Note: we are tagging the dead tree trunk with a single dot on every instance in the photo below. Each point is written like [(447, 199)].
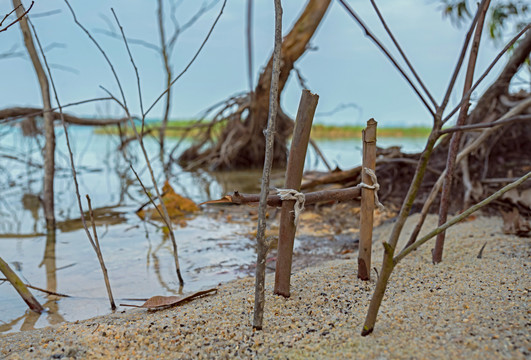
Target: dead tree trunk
[(49, 147), (242, 143)]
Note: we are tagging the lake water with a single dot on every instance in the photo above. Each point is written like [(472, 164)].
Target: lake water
[(138, 255)]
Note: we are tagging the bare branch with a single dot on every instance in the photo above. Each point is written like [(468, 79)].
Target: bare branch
[(101, 51), (133, 63), (11, 114), (487, 71), (460, 217), (399, 48), (456, 137), (262, 247), (17, 19), (166, 217), (94, 243), (191, 61), (506, 121), (387, 54)]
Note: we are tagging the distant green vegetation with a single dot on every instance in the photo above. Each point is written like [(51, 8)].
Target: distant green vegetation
[(190, 128), (337, 132)]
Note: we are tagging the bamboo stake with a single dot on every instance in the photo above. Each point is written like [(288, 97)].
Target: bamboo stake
[(20, 287), (297, 154), (367, 202)]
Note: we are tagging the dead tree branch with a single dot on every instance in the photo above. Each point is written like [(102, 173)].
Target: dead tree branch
[(262, 246), (25, 112), (456, 137), (20, 15), (368, 33), (94, 242)]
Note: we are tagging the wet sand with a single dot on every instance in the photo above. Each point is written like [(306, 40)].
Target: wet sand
[(462, 308)]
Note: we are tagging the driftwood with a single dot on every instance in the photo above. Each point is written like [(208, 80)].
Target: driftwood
[(30, 112)]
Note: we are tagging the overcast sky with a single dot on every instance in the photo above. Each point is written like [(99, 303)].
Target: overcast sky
[(345, 68)]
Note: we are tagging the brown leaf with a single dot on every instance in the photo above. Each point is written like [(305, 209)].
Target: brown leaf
[(157, 302)]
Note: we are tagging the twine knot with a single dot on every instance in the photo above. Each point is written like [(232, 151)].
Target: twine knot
[(291, 194), (374, 187)]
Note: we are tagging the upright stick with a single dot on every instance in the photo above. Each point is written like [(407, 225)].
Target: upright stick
[(456, 137), (367, 202), (297, 154), (262, 245)]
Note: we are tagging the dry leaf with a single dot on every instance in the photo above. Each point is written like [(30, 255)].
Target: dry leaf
[(176, 205), (157, 302)]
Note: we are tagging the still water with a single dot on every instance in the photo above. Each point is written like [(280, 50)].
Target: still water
[(138, 255)]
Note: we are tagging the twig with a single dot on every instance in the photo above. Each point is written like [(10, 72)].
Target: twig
[(387, 54), (480, 254), (189, 63), (17, 19), (460, 217), (166, 216), (377, 274), (467, 150), (41, 290), (20, 287), (390, 246), (262, 248), (94, 244), (132, 62), (100, 49), (148, 195), (456, 137), (320, 154), (487, 71), (399, 48), (506, 121), (100, 256)]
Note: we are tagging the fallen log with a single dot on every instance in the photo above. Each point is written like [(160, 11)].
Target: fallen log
[(29, 112)]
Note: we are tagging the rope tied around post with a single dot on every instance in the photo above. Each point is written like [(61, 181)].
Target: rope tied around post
[(291, 194), (374, 187), (298, 208)]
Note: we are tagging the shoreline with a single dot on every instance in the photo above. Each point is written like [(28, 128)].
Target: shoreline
[(464, 307), (177, 129)]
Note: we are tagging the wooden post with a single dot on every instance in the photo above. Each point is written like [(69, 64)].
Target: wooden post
[(367, 202), (297, 155)]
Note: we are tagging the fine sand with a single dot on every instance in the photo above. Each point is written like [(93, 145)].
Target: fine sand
[(463, 308)]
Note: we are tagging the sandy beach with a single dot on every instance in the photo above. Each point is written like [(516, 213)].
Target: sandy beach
[(463, 308)]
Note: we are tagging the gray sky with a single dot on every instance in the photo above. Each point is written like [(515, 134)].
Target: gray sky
[(346, 69)]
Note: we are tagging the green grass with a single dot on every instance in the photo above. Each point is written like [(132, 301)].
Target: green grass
[(176, 128)]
